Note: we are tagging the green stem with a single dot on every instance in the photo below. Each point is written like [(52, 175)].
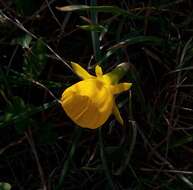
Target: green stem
[(94, 35), (119, 72), (66, 165), (131, 141), (104, 161)]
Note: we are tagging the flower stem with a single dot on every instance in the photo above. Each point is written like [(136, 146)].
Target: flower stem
[(67, 162), (104, 161), (118, 72)]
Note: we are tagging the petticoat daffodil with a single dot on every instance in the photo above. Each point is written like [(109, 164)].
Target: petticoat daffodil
[(90, 102)]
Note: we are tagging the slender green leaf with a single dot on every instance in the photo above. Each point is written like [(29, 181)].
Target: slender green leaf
[(93, 27), (106, 9), (138, 40), (72, 147), (104, 160)]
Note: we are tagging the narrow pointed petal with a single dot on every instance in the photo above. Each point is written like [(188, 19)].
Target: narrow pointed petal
[(117, 114), (118, 88), (80, 71), (98, 71)]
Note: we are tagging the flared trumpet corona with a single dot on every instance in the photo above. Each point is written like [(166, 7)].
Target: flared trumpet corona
[(90, 102)]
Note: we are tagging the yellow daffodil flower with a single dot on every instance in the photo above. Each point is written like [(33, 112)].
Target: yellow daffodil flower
[(90, 102)]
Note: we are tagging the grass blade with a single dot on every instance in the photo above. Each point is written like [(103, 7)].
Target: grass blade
[(65, 169)]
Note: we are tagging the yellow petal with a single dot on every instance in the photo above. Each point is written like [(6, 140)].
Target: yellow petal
[(98, 71), (88, 103), (117, 114), (118, 88), (80, 71)]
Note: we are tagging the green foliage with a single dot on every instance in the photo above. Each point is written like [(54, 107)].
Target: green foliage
[(35, 59), (19, 113), (5, 186), (105, 9), (93, 27), (41, 148), (16, 111), (24, 41)]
